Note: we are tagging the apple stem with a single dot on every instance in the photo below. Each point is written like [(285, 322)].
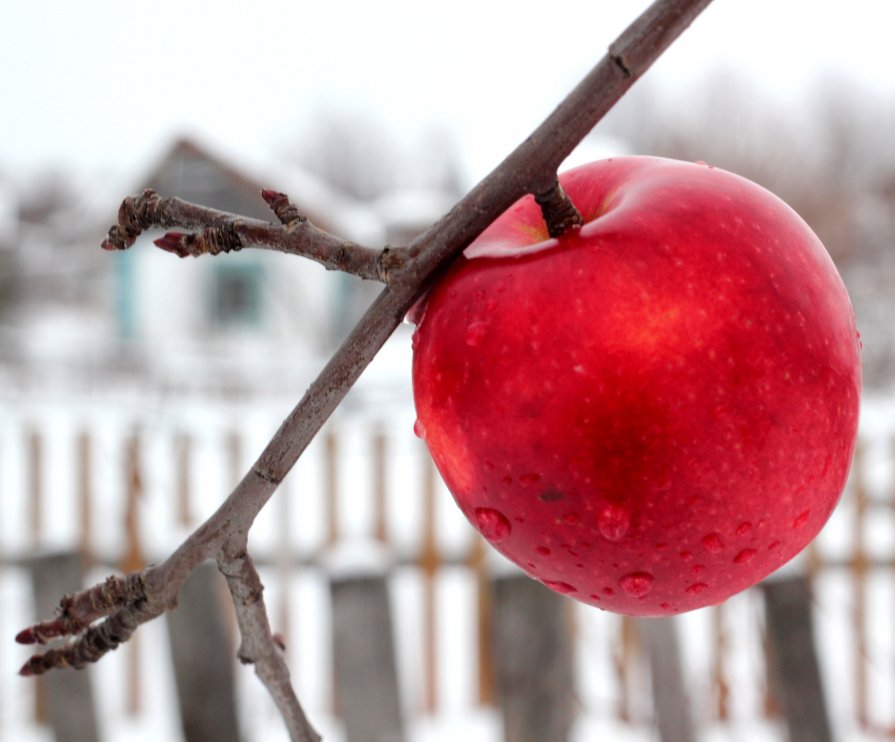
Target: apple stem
[(559, 212)]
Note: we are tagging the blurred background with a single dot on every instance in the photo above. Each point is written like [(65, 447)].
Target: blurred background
[(136, 387)]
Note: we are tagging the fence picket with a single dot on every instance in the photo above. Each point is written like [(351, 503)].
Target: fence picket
[(793, 657), (365, 669), (533, 657), (84, 476), (67, 696), (202, 656), (670, 697), (35, 464), (183, 465), (430, 563)]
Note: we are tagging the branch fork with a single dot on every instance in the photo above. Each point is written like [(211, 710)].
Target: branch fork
[(100, 618)]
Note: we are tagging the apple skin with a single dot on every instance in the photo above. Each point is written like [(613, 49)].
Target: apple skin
[(651, 412)]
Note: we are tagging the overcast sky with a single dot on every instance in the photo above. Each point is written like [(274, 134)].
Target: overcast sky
[(100, 86)]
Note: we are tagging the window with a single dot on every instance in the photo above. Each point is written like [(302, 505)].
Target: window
[(236, 295)]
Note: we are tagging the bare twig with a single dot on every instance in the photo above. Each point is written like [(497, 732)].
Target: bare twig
[(77, 612), (286, 211), (219, 231), (530, 168), (97, 640), (259, 646)]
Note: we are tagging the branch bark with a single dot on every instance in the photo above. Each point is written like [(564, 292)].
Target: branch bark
[(220, 231), (530, 168), (259, 647)]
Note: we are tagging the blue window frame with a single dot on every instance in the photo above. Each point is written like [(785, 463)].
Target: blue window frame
[(236, 295)]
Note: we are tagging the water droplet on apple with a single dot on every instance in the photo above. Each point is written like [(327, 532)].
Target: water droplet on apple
[(774, 546), (613, 522), (527, 480), (696, 588), (636, 584), (686, 555), (571, 519), (475, 333), (608, 591), (698, 570), (713, 543), (665, 606), (492, 524), (561, 587), (801, 519), (744, 528), (860, 342), (542, 550), (744, 557), (418, 429)]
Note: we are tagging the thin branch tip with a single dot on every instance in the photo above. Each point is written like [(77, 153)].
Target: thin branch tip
[(271, 195), (284, 210), (173, 242), (109, 244)]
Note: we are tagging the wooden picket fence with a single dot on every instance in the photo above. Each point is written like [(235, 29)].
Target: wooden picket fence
[(392, 610)]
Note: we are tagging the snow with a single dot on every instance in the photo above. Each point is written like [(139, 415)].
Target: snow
[(357, 557), (297, 518)]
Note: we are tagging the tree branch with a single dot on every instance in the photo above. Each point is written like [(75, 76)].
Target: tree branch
[(259, 647), (219, 231), (530, 168)]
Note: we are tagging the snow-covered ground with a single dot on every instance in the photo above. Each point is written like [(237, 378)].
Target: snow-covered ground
[(296, 520)]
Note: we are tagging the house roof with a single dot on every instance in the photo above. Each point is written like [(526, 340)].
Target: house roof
[(238, 179)]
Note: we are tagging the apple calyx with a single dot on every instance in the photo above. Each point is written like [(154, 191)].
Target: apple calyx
[(560, 214)]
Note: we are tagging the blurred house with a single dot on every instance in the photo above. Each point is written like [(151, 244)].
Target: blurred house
[(234, 322)]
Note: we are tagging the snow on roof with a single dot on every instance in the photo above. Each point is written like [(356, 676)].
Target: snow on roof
[(321, 201)]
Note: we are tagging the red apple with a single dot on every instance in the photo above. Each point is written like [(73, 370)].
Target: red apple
[(653, 411)]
